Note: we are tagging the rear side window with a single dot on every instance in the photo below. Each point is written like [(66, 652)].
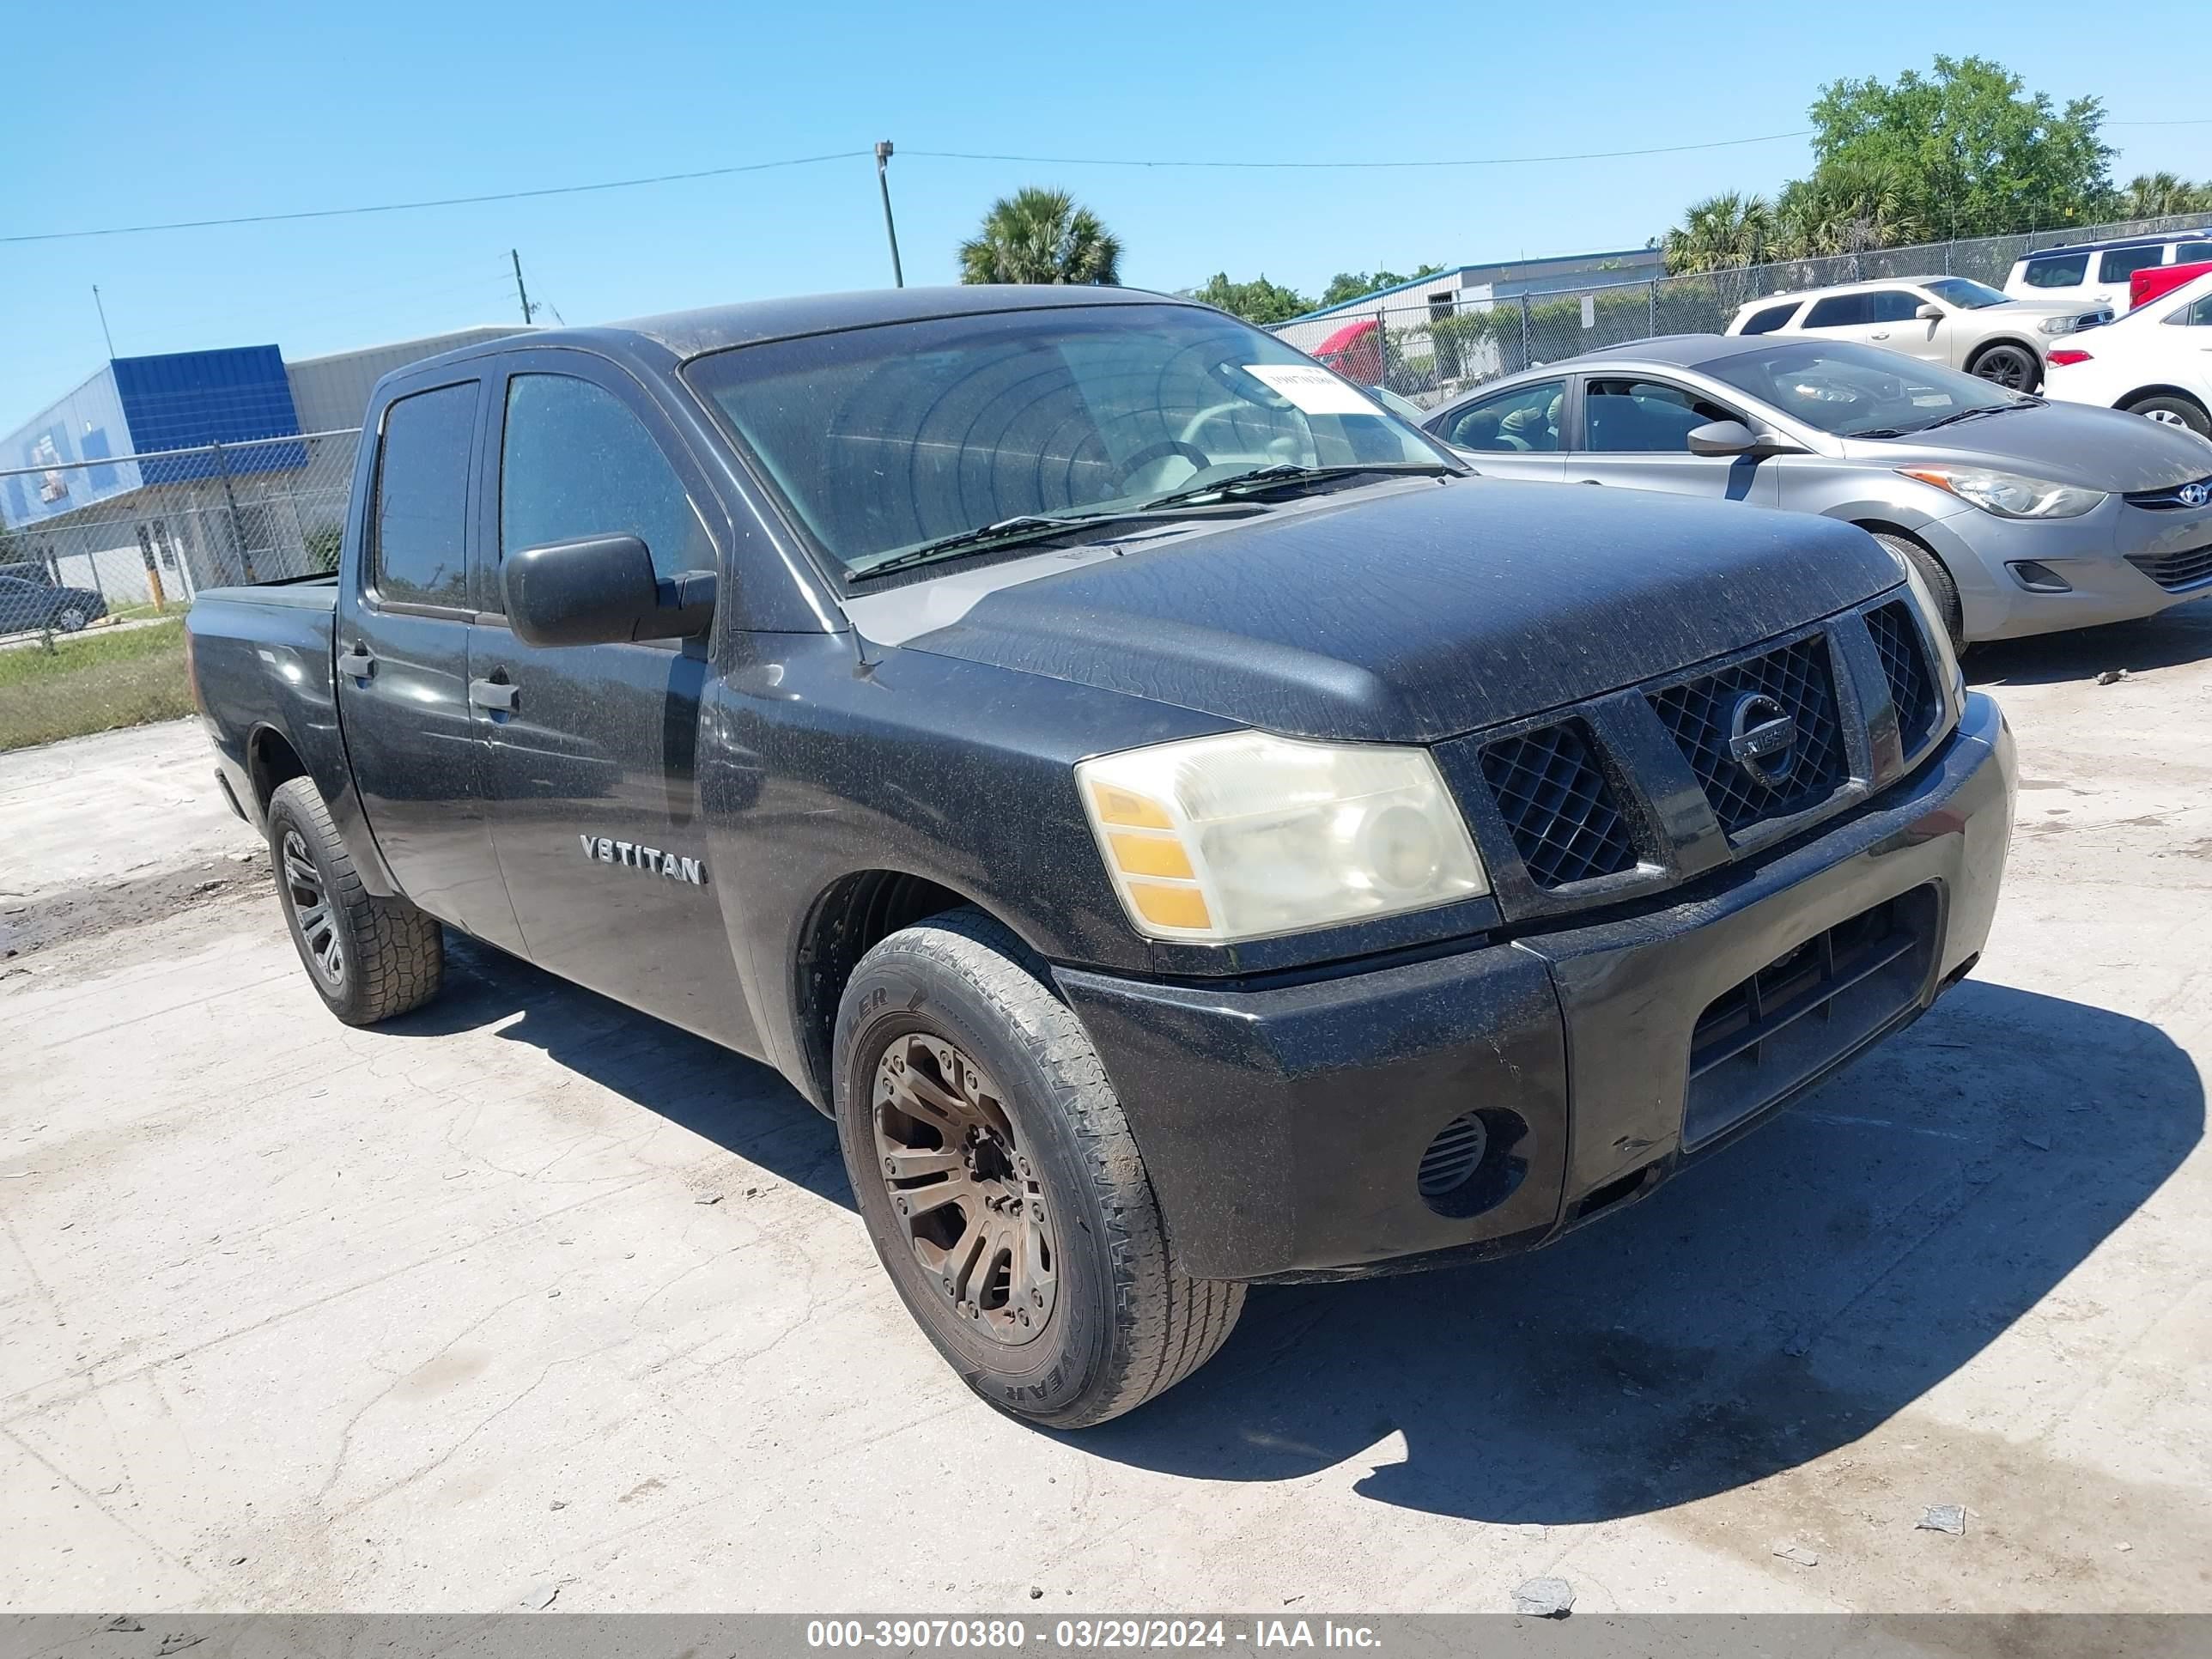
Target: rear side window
[(1525, 418), (2192, 254), (2119, 264), (1766, 321), (421, 497), (1839, 311), (2067, 270), (574, 462)]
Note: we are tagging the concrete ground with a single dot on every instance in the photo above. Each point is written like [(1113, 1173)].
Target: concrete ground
[(529, 1296)]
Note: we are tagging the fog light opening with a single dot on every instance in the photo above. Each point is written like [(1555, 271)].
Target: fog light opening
[(2039, 578), (1473, 1163), (1454, 1156)]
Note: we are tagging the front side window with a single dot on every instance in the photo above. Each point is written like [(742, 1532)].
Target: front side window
[(1839, 311), (2192, 254), (881, 440), (2119, 264), (2068, 271), (1894, 304), (1853, 391), (1766, 321), (1526, 419), (1966, 293), (422, 497), (2195, 316), (574, 462), (1644, 417)]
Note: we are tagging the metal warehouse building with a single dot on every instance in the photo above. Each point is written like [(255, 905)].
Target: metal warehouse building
[(162, 474)]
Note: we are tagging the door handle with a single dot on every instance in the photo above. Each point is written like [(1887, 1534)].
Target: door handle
[(1599, 482), (495, 694), (1884, 335), (357, 661)]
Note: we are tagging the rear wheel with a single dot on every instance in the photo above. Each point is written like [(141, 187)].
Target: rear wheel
[(1940, 585), (368, 958), (2169, 409), (2014, 367), (1000, 1185), (71, 618)]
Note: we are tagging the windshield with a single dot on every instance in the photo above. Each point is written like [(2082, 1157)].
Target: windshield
[(1965, 294), (885, 440), (1857, 391)]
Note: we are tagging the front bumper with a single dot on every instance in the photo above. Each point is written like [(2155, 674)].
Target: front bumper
[(2092, 554), (1283, 1127)]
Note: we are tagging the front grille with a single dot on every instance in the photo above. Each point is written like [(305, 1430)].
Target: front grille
[(2167, 500), (2175, 571), (1699, 713), (1807, 1011), (1558, 806), (1905, 666)]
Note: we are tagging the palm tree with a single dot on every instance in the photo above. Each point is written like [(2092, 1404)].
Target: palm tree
[(1721, 233), (1846, 207), (2157, 195), (1041, 236)]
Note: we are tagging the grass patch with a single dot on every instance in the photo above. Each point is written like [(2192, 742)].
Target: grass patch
[(95, 681)]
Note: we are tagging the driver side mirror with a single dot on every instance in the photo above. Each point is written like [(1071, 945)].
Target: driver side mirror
[(601, 590), (1931, 312), (1718, 438)]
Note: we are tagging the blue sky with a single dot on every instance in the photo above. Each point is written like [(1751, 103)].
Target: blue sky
[(166, 113)]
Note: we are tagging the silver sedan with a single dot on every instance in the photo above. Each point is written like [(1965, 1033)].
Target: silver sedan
[(2023, 516)]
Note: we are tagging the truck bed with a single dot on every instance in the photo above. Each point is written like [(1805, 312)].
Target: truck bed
[(261, 663)]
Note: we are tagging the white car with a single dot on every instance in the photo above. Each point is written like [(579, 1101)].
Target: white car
[(1952, 320), (2097, 273), (2156, 360)]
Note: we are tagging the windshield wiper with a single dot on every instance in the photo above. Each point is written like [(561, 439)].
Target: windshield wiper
[(1978, 411), (1004, 532), (1291, 472)]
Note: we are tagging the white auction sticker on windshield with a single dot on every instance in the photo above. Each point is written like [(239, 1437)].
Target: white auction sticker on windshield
[(1316, 390)]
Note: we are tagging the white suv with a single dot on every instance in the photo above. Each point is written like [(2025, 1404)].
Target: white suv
[(2098, 272), (1951, 320)]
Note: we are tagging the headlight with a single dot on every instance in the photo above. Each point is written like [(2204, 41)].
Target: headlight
[(2008, 495), (2058, 324), (1245, 834), (1937, 628)]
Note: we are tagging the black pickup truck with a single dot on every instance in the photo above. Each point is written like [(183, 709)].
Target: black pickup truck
[(1185, 828)]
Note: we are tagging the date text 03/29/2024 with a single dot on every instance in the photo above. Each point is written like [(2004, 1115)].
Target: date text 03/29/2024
[(1087, 1635)]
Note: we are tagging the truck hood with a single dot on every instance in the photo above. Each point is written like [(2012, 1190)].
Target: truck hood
[(2066, 443), (1408, 613)]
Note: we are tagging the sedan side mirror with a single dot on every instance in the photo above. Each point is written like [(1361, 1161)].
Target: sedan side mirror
[(1735, 438), (601, 590), (1931, 312)]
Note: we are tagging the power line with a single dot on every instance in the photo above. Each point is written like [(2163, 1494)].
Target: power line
[(1462, 162), (439, 202)]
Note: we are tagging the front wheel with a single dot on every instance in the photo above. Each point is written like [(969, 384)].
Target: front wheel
[(1001, 1186), (1941, 587), (70, 619), (368, 958), (2014, 367), (2170, 411)]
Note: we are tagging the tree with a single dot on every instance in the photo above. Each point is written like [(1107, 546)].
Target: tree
[(1041, 236), (2158, 195), (1847, 207), (1971, 152), (1256, 301), (1721, 233), (1351, 284)]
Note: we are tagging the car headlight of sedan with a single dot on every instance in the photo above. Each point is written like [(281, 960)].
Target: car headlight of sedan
[(2008, 495), (1245, 834)]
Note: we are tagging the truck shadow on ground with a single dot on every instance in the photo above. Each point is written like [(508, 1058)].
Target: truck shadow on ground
[(1755, 1314), (2183, 634)]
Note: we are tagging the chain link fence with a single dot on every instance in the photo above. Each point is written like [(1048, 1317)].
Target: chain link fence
[(100, 558), (1430, 350)]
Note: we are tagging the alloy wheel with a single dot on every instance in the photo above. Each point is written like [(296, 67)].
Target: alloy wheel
[(2007, 367), (2167, 417), (69, 620), (310, 903), (965, 1192)]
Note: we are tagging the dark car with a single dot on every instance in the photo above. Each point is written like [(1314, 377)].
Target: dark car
[(1183, 827), (26, 605)]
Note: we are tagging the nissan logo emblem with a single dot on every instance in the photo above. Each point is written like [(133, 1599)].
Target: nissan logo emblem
[(1763, 739)]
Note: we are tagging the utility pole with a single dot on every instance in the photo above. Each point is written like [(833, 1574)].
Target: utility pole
[(883, 183), (101, 309), (521, 293)]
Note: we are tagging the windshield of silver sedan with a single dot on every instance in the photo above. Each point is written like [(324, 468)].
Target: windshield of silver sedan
[(907, 442), (1852, 391)]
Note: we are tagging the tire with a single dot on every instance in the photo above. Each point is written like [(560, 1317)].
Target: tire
[(70, 619), (1945, 591), (2169, 409), (368, 958), (1107, 1322), (2015, 367)]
